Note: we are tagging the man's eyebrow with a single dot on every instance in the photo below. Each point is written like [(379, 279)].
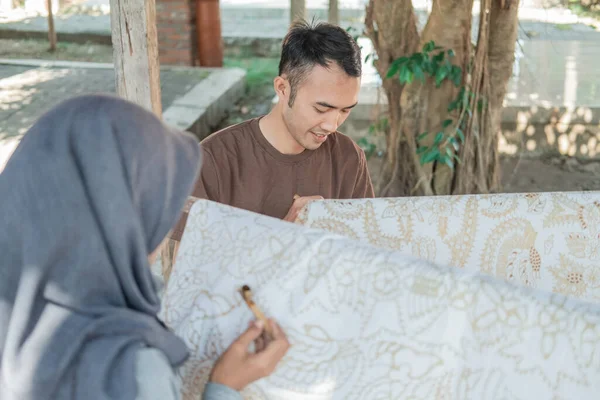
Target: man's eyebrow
[(324, 104)]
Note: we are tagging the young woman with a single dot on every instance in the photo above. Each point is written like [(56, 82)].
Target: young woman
[(91, 191)]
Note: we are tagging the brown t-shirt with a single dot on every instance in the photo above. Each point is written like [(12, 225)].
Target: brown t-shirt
[(242, 169)]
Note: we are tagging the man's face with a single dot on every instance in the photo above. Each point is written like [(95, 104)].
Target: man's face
[(323, 102)]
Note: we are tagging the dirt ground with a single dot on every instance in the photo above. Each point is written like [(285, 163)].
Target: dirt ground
[(39, 50), (549, 174), (543, 174), (519, 174)]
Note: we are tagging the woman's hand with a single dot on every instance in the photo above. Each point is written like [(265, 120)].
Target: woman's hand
[(238, 367)]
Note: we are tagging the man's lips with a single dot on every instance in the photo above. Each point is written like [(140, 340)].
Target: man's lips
[(321, 137)]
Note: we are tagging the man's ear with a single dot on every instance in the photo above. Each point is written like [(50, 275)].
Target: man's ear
[(282, 89)]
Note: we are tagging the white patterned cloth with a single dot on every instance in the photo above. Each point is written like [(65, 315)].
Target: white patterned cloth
[(549, 241), (369, 323)]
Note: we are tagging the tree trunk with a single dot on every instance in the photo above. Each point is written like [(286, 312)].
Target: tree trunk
[(333, 16), (297, 10), (51, 30), (135, 52), (385, 19), (418, 107)]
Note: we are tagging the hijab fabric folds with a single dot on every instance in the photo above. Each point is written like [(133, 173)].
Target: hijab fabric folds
[(92, 189)]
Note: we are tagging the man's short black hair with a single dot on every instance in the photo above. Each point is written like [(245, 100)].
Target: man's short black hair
[(307, 45)]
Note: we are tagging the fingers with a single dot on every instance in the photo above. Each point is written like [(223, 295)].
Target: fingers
[(267, 360), (278, 341), (252, 333), (265, 338), (298, 204), (304, 200), (277, 331), (260, 343)]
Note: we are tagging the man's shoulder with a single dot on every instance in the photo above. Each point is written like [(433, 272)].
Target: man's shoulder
[(343, 144), (229, 136)]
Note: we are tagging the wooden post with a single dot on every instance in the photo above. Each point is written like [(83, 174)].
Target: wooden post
[(334, 13), (135, 52), (297, 9), (51, 30), (208, 27)]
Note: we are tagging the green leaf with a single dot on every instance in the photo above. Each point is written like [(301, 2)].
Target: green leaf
[(393, 70), (395, 66), (454, 143), (439, 57), (381, 124), (417, 57), (451, 53), (429, 46), (422, 149), (440, 76), (456, 75), (453, 105), (385, 123), (460, 134), (447, 161), (427, 66), (431, 156), (366, 145), (406, 75), (418, 71), (457, 158), (457, 80), (401, 60), (438, 138), (422, 136), (446, 123)]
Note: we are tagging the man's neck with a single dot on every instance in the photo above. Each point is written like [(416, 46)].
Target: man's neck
[(276, 132)]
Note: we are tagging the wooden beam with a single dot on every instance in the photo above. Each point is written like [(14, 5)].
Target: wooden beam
[(51, 30), (297, 10), (334, 13), (135, 52)]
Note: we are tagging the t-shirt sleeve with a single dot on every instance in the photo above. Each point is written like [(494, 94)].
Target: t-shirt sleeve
[(207, 187), (215, 391), (363, 188)]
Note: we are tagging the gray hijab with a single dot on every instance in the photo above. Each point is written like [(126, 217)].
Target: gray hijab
[(92, 189)]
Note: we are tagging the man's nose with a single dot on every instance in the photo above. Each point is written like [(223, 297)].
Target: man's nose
[(331, 122)]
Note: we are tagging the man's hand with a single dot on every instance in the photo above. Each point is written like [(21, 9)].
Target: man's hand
[(298, 205), (238, 367)]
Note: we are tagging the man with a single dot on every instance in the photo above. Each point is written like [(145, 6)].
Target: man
[(276, 164)]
